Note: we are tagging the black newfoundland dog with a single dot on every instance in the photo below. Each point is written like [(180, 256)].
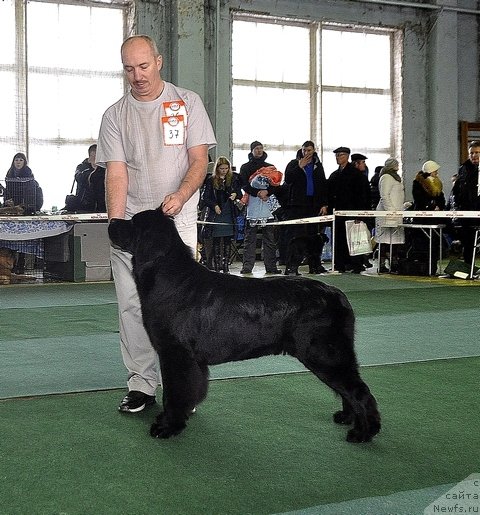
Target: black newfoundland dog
[(196, 318)]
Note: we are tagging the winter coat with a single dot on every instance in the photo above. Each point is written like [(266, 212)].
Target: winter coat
[(24, 190), (248, 169), (220, 197), (348, 189), (465, 191), (84, 192), (392, 197), (296, 180), (427, 192)]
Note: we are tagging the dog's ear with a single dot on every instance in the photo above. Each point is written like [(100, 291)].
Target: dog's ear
[(121, 234)]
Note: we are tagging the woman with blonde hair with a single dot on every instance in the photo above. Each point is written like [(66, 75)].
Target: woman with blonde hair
[(222, 194)]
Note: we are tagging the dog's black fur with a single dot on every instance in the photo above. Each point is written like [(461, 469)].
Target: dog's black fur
[(196, 318), (306, 246)]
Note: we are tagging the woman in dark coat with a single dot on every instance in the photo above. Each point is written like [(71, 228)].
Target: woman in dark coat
[(222, 192), (21, 186)]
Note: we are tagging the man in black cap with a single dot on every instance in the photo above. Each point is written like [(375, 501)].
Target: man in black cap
[(256, 160), (358, 161), (346, 191)]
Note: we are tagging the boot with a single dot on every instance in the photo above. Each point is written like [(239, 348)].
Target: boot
[(217, 255), (227, 252)]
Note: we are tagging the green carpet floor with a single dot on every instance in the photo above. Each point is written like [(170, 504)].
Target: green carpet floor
[(256, 446), (64, 337)]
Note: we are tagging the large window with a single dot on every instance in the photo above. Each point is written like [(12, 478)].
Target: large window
[(335, 85), (60, 69)]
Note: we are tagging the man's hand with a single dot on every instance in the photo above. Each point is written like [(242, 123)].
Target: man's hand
[(303, 162), (173, 203)]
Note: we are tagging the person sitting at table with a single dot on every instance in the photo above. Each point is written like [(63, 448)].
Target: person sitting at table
[(427, 191), (90, 178), (21, 188)]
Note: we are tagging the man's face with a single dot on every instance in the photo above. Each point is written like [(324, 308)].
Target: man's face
[(342, 158), (308, 151), (257, 151), (474, 155), (142, 70), (361, 165), (92, 157)]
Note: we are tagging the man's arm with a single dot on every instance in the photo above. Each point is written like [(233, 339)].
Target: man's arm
[(193, 180), (116, 185)]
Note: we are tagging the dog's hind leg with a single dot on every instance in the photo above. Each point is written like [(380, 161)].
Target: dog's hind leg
[(359, 405), (337, 367), (185, 385)]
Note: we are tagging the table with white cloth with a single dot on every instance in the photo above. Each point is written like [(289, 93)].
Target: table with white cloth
[(72, 247)]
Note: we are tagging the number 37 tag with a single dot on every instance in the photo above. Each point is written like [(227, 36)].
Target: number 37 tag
[(173, 130)]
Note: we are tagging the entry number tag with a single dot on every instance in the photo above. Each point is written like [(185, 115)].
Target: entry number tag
[(173, 130), (176, 108)]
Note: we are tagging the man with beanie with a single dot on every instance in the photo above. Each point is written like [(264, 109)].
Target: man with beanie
[(256, 160), (347, 190)]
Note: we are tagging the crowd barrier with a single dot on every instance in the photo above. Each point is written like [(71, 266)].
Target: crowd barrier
[(428, 229), (454, 216)]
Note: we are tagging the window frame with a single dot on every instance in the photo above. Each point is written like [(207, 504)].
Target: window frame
[(316, 88)]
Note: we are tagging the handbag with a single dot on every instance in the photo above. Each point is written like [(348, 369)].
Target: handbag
[(72, 202), (358, 238)]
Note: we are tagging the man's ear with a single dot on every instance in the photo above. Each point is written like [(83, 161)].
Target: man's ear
[(120, 233)]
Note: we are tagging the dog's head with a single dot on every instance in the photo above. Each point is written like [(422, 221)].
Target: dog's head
[(147, 236)]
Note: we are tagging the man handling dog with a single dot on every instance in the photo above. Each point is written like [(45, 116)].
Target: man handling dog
[(154, 143)]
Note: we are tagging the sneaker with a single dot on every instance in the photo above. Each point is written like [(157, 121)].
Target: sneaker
[(136, 401)]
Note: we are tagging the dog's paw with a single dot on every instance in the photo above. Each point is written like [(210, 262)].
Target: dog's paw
[(165, 431), (356, 436), (165, 427), (342, 417)]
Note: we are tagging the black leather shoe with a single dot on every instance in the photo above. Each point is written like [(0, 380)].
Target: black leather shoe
[(245, 271), (136, 401)]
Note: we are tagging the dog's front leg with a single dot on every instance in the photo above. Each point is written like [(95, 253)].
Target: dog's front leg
[(180, 390)]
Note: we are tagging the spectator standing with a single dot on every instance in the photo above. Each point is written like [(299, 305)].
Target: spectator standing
[(466, 197), (347, 190), (307, 191), (222, 195), (359, 162), (374, 191), (154, 142), (392, 197), (256, 160)]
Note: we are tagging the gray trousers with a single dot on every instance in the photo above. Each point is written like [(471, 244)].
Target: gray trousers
[(269, 246), (139, 357)]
